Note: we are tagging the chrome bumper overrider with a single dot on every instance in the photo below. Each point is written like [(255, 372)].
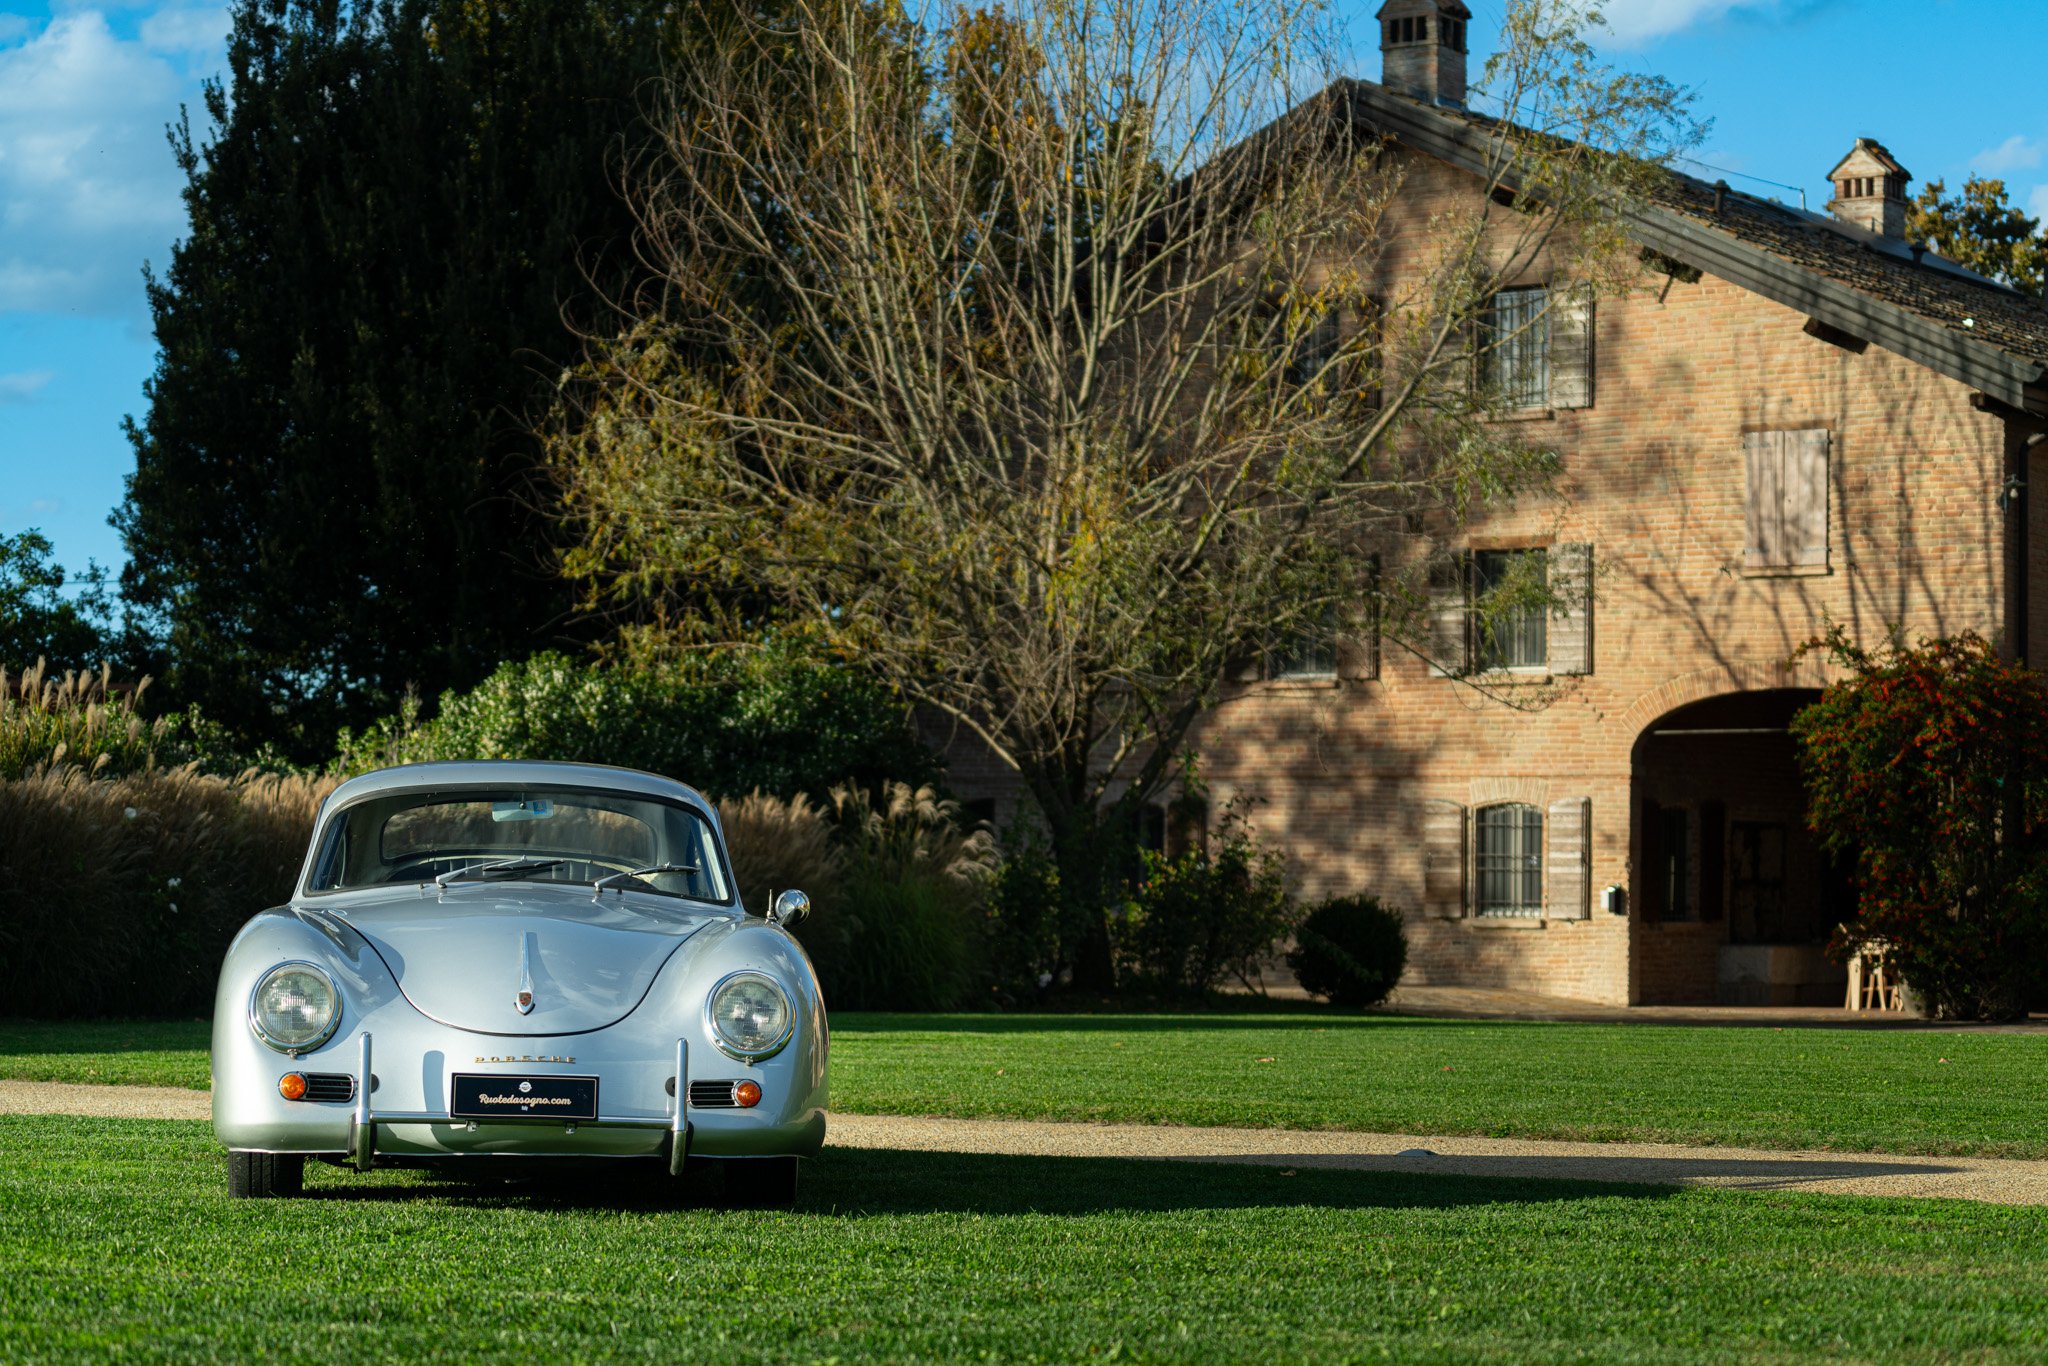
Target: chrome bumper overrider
[(362, 1125)]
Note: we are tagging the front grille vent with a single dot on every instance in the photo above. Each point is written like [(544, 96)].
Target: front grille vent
[(712, 1095), (330, 1086)]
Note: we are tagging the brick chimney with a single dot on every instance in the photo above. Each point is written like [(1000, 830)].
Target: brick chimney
[(1870, 189), (1422, 49)]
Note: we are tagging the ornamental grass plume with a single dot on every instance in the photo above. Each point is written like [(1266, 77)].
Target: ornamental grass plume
[(119, 894), (1928, 767), (776, 844), (77, 717)]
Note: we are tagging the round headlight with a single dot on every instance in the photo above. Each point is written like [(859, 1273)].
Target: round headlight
[(295, 1007), (750, 1015)]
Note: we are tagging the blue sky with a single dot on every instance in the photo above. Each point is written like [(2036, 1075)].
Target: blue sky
[(88, 191)]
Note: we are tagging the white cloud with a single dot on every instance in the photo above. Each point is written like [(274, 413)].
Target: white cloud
[(1638, 21), (2016, 153), (195, 31), (2037, 203), (88, 189), (23, 386)]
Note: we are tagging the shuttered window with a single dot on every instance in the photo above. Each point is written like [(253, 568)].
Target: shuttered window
[(1538, 350), (1557, 634), (1785, 500), (1509, 850)]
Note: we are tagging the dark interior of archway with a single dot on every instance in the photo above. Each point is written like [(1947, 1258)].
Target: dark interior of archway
[(1720, 823)]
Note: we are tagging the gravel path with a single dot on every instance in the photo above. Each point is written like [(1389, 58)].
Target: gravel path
[(2002, 1181)]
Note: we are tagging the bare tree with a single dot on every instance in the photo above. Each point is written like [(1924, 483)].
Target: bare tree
[(1062, 358)]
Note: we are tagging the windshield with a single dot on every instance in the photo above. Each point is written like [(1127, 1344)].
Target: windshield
[(531, 834)]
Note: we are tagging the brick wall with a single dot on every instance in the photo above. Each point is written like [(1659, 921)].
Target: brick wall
[(1654, 481)]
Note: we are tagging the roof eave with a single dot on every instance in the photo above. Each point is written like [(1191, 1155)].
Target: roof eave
[(2011, 380)]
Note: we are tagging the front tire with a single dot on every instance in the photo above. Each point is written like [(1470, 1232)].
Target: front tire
[(760, 1182), (265, 1176)]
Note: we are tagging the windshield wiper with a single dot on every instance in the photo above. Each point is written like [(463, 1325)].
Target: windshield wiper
[(509, 866), (620, 879)]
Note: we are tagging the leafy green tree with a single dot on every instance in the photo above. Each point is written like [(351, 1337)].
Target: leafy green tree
[(39, 620), (1979, 229), (400, 208), (1087, 382), (1928, 766)]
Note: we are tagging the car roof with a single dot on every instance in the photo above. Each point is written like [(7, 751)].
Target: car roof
[(492, 772)]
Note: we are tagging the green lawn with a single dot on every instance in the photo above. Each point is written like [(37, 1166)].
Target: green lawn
[(1935, 1091), (118, 1239)]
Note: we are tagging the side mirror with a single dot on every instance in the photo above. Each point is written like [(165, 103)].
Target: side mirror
[(790, 909)]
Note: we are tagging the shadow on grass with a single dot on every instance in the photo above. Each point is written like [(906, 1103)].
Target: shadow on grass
[(852, 1183), (104, 1036)]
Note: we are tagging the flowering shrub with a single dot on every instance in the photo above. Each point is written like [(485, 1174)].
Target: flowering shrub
[(1929, 767)]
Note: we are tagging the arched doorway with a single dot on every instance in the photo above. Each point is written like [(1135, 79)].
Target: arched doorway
[(1734, 898)]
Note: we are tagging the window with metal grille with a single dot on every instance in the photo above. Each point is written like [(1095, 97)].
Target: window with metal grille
[(1516, 362), (1511, 636), (1310, 654), (1510, 860)]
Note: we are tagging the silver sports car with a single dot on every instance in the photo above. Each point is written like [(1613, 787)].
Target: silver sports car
[(518, 960)]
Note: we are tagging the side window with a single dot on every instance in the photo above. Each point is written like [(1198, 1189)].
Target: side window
[(1785, 501), (1509, 856)]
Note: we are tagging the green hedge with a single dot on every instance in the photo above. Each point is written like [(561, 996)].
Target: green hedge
[(772, 720)]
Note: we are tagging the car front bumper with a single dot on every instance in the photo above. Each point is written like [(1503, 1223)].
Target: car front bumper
[(383, 1121)]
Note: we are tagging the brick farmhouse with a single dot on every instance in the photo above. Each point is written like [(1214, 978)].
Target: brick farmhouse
[(1803, 419)]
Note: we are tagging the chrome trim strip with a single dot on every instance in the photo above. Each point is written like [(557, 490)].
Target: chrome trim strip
[(362, 1129), (679, 1122)]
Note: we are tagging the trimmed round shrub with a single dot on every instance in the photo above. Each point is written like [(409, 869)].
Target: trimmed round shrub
[(1350, 951)]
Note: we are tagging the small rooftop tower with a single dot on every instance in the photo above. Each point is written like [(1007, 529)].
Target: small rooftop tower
[(1870, 189), (1422, 49)]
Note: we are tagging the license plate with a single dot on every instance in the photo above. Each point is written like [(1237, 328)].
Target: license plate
[(478, 1097)]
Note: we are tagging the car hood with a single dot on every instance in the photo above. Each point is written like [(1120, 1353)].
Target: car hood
[(459, 958)]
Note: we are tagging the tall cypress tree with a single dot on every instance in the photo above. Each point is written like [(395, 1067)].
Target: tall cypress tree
[(401, 208)]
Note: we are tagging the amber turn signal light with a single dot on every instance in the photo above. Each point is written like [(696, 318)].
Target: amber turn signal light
[(292, 1086), (747, 1094)]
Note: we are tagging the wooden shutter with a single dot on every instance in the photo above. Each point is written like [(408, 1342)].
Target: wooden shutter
[(1649, 872), (1568, 860), (1358, 646), (1806, 496), (1713, 860), (1785, 499), (1571, 348), (1450, 616), (1571, 627), (1444, 842)]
